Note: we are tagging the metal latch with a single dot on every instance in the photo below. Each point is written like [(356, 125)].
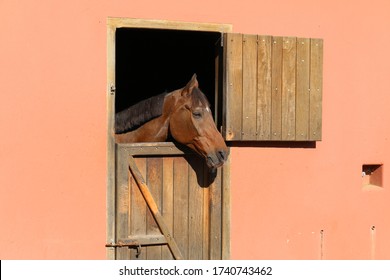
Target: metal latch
[(112, 89), (124, 244)]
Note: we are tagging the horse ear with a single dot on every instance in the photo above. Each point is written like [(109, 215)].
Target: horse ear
[(193, 83)]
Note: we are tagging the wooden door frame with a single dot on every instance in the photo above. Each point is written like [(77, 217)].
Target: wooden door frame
[(112, 25)]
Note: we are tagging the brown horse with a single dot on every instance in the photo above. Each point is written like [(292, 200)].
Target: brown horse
[(184, 114)]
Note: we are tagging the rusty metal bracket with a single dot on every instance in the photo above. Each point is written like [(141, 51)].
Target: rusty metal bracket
[(130, 245), (138, 251), (140, 240)]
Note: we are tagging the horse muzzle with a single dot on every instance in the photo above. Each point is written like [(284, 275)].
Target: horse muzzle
[(217, 159)]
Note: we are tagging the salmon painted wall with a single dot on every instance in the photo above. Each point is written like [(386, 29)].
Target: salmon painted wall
[(287, 203)]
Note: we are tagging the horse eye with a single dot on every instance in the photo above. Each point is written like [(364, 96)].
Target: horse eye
[(197, 114)]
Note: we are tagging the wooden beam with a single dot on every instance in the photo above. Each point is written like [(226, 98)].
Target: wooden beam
[(168, 24)]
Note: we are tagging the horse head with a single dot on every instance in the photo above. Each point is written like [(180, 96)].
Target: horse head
[(192, 124)]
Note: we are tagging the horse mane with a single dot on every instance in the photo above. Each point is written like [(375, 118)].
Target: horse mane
[(140, 113), (148, 109)]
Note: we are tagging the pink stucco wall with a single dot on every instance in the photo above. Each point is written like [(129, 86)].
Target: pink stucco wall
[(286, 203)]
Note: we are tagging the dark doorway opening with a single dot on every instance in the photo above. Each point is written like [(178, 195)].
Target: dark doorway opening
[(152, 61)]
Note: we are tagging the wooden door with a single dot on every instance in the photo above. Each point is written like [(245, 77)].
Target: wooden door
[(194, 208), (168, 205)]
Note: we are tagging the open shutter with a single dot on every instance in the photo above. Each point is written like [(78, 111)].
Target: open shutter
[(272, 88)]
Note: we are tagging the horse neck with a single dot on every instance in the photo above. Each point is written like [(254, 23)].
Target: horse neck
[(155, 130)]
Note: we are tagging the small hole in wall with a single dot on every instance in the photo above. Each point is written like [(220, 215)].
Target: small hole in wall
[(372, 178)]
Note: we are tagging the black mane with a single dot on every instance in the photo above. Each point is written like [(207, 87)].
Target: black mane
[(140, 113), (148, 109)]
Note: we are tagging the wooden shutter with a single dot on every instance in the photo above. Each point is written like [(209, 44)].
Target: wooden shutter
[(272, 88), (168, 205)]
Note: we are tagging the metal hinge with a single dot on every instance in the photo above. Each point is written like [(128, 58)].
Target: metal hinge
[(112, 89)]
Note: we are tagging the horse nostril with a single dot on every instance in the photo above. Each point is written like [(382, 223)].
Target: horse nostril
[(222, 155)]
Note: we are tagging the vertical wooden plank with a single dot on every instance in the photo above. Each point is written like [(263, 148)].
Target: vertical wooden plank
[(264, 87), (316, 63), (110, 200), (216, 218), (218, 61), (180, 227), (138, 210), (206, 213), (276, 121), (122, 202), (195, 206), (154, 182), (303, 89), (249, 87), (226, 201), (288, 88), (233, 86), (167, 210)]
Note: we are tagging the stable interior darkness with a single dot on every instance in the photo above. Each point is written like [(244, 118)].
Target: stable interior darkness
[(152, 61)]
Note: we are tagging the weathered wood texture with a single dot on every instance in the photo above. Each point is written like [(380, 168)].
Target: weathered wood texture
[(273, 88), (165, 191), (111, 156), (190, 206), (167, 24)]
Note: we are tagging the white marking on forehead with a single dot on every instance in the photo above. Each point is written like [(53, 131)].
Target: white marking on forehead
[(207, 109)]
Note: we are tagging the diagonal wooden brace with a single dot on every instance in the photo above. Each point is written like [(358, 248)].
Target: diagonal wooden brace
[(154, 209)]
